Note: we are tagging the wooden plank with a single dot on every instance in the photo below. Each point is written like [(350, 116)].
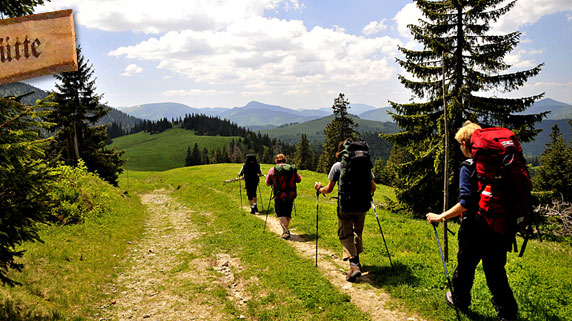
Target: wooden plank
[(37, 45)]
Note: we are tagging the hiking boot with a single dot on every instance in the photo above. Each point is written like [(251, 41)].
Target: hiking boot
[(354, 273), (285, 235), (451, 302), (255, 208), (449, 299), (252, 211)]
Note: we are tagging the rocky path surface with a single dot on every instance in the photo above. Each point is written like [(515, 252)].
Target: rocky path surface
[(165, 277), (162, 282)]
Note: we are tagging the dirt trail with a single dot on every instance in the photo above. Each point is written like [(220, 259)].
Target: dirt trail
[(162, 282), (366, 297), (159, 285)]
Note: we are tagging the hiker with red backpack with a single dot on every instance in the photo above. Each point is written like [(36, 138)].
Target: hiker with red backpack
[(494, 189), (251, 172), (283, 178), (356, 187)]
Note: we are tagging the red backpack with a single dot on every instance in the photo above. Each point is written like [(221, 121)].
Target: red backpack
[(503, 180), (285, 182)]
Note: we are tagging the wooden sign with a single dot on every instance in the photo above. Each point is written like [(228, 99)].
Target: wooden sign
[(37, 45)]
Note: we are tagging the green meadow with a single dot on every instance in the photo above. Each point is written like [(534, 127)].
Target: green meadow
[(167, 150), (541, 280), (71, 274)]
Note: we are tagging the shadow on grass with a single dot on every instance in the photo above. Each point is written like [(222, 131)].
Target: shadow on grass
[(303, 237), (387, 276), (11, 311), (472, 315)]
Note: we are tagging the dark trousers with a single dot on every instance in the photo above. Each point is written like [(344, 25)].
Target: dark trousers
[(283, 208), (478, 242)]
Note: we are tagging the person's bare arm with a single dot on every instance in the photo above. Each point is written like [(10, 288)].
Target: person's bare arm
[(325, 190)]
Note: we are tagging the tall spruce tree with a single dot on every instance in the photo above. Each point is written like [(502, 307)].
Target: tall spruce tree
[(196, 155), (77, 111), (340, 128), (458, 47), (25, 179), (25, 171), (189, 158), (304, 156), (555, 171), (17, 8)]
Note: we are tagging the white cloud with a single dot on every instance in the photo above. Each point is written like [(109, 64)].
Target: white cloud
[(197, 92), (409, 14), (528, 12), (546, 84), (516, 60), (536, 51), (297, 92), (374, 27), (268, 54), (148, 16), (131, 70)]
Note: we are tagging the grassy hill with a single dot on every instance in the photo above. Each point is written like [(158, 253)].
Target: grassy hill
[(314, 129), (537, 147), (76, 274), (379, 114), (557, 109), (164, 151), (540, 280)]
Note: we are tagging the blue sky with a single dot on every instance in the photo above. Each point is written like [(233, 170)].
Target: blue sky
[(292, 53)]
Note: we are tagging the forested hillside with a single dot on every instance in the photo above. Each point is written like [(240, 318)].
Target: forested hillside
[(125, 121)]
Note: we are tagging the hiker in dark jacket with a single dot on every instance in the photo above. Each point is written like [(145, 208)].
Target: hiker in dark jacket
[(251, 172), (477, 241), (350, 225), (284, 190)]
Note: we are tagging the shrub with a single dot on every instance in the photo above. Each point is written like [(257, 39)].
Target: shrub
[(76, 199)]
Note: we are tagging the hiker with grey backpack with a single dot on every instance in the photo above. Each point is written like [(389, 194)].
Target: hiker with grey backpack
[(283, 178), (356, 187), (251, 172), (494, 192)]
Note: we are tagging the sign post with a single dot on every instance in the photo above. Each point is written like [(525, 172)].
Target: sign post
[(37, 45)]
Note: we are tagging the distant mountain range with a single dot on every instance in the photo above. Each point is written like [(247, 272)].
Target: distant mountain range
[(254, 115), (32, 94), (288, 124)]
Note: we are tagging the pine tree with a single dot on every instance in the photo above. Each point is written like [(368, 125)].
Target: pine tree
[(555, 171), (189, 158), (455, 33), (196, 155), (392, 170), (304, 156), (377, 170), (77, 111), (340, 128), (205, 157), (17, 8), (25, 179)]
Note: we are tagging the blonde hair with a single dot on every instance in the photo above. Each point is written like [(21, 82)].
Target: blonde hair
[(464, 133), (280, 158)]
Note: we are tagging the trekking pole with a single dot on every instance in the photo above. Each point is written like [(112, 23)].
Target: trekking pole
[(295, 209), (378, 224), (261, 201), (240, 191), (267, 211), (445, 266), (269, 200), (317, 202)]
